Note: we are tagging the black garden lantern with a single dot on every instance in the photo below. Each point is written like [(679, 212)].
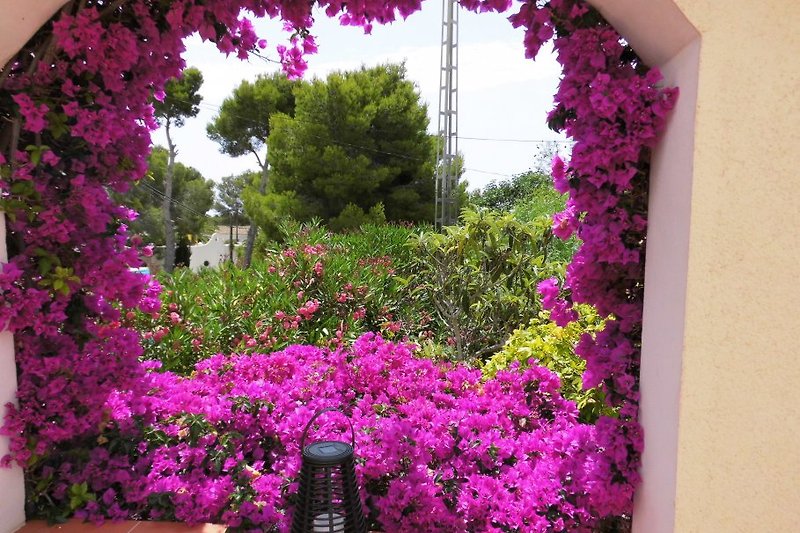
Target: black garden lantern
[(327, 500)]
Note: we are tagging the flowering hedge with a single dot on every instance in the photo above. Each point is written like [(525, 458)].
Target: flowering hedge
[(317, 288), (438, 448), (77, 119)]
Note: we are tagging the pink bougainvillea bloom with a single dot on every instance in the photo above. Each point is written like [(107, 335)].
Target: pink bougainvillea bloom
[(33, 114)]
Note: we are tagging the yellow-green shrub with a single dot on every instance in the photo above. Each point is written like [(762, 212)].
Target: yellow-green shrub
[(544, 343)]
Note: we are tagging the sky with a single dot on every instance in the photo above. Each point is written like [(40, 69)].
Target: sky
[(501, 94)]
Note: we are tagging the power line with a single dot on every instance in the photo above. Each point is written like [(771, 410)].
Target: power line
[(532, 141), (172, 200), (216, 107), (176, 216), (491, 173)]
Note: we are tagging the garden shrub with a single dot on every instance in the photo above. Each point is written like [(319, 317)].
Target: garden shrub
[(438, 448), (316, 288), (529, 195), (481, 278), (353, 217), (544, 343), (531, 198)]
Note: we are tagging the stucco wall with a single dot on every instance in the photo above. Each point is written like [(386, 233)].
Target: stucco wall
[(665, 296), (20, 20), (215, 251), (719, 364), (739, 436)]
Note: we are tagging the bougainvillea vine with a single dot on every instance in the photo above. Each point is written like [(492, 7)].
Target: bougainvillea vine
[(610, 104), (76, 126)]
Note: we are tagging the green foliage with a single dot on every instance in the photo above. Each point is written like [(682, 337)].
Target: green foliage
[(357, 138), (181, 99), (269, 211), (350, 277), (353, 217), (534, 188), (529, 196), (481, 278), (192, 196), (79, 495), (243, 123), (544, 343), (229, 201), (243, 126)]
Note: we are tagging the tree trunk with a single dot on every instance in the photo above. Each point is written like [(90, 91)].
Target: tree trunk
[(166, 207), (230, 243), (251, 233)]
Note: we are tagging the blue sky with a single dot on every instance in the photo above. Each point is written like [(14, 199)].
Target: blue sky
[(502, 95)]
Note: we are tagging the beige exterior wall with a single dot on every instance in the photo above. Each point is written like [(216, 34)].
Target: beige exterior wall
[(720, 368), (739, 435), (20, 20)]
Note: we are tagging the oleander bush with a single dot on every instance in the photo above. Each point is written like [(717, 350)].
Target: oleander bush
[(480, 278), (459, 295), (315, 288)]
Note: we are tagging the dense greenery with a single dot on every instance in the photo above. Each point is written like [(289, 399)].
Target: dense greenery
[(229, 202), (192, 198), (242, 127), (357, 139), (480, 278), (459, 294), (542, 342), (529, 196), (179, 101), (318, 288)]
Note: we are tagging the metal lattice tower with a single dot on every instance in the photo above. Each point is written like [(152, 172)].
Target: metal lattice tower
[(447, 170)]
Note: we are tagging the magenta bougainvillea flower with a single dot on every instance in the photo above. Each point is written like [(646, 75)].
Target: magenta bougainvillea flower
[(112, 438)]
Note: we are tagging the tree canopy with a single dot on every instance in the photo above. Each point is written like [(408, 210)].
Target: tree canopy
[(181, 98), (229, 201), (243, 123), (243, 126), (192, 197), (356, 139)]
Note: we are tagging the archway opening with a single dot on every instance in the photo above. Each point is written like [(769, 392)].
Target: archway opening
[(41, 163)]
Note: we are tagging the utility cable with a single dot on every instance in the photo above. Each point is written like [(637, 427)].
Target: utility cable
[(211, 106)]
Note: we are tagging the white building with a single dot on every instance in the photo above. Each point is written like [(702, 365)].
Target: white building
[(217, 250)]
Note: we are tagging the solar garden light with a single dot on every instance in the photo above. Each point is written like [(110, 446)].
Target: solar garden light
[(327, 500)]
